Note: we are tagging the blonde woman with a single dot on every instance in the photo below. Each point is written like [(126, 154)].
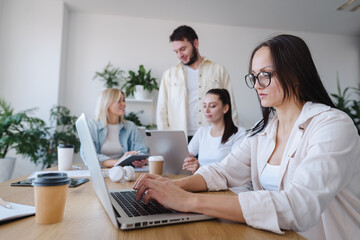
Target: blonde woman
[(114, 137)]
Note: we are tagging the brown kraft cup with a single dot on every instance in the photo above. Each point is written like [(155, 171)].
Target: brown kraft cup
[(50, 196), (156, 164)]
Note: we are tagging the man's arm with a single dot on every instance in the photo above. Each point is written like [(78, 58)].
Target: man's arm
[(161, 111)]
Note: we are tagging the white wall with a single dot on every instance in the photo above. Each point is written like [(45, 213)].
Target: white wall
[(49, 56), (2, 2), (30, 58), (94, 40)]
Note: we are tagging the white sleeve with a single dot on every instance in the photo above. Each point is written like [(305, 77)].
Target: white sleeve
[(161, 110), (194, 144), (233, 170)]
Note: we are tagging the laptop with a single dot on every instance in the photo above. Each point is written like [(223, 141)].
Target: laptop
[(120, 205), (172, 145)]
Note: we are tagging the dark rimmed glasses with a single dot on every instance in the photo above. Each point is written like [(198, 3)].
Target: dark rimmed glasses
[(263, 78)]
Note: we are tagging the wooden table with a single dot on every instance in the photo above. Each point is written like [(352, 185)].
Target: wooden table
[(85, 218)]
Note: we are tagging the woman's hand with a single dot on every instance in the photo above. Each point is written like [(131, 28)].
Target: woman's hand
[(191, 164), (171, 196), (163, 191), (129, 153), (124, 156), (139, 163)]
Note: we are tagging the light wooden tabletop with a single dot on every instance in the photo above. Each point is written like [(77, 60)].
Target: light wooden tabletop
[(85, 218)]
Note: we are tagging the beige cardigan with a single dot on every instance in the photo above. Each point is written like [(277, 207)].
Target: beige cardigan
[(319, 188), (172, 104)]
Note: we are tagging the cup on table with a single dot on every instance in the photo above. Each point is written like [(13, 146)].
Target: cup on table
[(65, 156), (156, 164), (50, 196)]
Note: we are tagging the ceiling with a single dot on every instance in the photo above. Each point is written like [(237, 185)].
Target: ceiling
[(293, 15)]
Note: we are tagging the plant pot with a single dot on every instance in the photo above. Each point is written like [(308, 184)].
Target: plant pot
[(7, 165), (140, 93)]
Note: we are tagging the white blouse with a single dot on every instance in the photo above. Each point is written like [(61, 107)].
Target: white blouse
[(319, 189)]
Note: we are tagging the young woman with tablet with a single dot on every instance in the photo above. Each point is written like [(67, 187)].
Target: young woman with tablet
[(114, 137)]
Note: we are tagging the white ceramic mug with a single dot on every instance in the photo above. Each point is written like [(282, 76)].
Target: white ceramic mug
[(65, 157)]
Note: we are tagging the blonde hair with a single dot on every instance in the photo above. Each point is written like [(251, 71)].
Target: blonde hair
[(107, 97)]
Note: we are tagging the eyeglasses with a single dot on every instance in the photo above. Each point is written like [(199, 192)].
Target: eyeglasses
[(263, 78)]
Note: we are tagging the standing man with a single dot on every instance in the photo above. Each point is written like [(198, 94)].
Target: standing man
[(182, 88)]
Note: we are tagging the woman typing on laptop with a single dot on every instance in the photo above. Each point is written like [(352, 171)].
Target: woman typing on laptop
[(114, 138), (302, 157), (213, 143)]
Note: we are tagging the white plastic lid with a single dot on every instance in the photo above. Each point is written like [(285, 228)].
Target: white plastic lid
[(156, 158)]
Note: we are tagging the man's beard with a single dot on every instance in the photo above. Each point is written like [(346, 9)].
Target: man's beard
[(194, 56)]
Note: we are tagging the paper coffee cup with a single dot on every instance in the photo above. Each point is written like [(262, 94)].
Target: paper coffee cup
[(50, 196), (156, 164), (65, 157)]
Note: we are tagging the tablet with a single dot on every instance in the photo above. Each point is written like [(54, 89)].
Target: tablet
[(130, 158), (170, 144)]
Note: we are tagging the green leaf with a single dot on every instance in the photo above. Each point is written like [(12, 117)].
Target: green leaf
[(350, 106), (140, 78), (30, 136), (110, 76)]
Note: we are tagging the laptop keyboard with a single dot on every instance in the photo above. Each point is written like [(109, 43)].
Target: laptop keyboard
[(133, 208)]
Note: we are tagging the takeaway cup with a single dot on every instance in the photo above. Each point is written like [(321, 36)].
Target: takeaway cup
[(50, 197), (65, 157), (156, 164)]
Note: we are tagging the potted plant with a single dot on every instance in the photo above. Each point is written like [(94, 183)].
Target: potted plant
[(132, 116), (21, 132), (110, 75), (64, 133), (135, 119), (140, 83), (350, 106)]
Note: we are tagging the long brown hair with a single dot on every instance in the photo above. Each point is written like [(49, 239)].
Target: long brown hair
[(296, 72), (230, 127)]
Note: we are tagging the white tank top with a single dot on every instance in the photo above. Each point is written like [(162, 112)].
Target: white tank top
[(111, 146), (269, 178)]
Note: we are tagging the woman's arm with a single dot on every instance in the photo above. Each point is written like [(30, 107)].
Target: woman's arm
[(191, 163), (172, 195), (220, 206), (193, 145), (194, 183), (109, 163)]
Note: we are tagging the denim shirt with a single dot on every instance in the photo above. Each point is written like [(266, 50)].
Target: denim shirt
[(129, 138)]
